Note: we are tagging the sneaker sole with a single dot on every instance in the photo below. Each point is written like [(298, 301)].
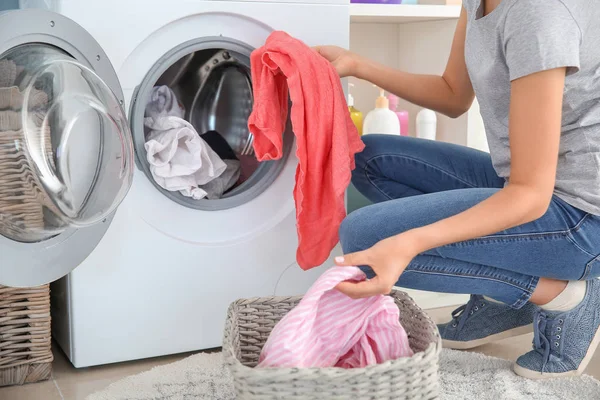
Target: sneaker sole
[(459, 345), (536, 375)]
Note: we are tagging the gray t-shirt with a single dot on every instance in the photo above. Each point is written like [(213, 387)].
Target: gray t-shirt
[(519, 38)]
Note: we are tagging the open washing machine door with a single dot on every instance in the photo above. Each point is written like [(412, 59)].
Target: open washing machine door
[(66, 154)]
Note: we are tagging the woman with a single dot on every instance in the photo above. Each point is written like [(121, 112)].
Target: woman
[(519, 230)]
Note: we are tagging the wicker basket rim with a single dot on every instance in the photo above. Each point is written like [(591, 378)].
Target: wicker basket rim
[(399, 294), (433, 348)]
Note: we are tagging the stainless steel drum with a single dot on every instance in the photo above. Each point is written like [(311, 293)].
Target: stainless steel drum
[(223, 101)]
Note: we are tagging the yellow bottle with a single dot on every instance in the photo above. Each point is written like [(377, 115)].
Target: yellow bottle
[(355, 114)]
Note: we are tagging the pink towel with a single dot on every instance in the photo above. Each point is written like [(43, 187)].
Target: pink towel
[(326, 138), (330, 329)]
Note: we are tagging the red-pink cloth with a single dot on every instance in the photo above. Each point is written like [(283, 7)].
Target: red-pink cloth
[(327, 328), (326, 138)]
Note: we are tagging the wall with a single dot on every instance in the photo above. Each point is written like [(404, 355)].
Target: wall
[(415, 47)]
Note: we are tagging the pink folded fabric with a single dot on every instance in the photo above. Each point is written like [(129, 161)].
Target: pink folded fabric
[(327, 329), (326, 138)]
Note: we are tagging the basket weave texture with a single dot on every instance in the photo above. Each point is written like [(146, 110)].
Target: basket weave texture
[(250, 321), (25, 335), (25, 332)]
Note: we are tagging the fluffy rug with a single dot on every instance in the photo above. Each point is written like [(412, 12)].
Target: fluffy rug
[(463, 376)]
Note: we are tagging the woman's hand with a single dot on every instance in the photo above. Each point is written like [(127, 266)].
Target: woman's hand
[(344, 61), (387, 259)]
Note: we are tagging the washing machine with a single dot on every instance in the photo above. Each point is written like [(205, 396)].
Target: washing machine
[(156, 270)]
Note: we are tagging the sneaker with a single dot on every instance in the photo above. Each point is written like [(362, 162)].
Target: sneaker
[(564, 342), (481, 321)]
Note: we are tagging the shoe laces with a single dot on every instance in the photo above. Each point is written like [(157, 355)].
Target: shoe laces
[(542, 334), (462, 313)]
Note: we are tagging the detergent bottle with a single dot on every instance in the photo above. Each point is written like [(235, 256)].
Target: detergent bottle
[(381, 119), (355, 114), (402, 114)]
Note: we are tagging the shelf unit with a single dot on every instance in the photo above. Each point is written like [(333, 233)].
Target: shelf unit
[(414, 38), (401, 14)]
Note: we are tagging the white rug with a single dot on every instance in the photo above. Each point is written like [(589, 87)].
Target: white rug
[(464, 376)]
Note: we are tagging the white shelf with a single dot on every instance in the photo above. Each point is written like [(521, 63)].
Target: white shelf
[(401, 14)]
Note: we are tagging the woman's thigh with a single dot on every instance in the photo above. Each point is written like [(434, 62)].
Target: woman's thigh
[(394, 167), (563, 244)]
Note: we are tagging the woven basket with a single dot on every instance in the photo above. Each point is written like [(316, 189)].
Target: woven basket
[(25, 338), (25, 332), (249, 323), (22, 199)]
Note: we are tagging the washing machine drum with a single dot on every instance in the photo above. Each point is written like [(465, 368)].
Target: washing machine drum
[(211, 79), (215, 88), (224, 104), (65, 151)]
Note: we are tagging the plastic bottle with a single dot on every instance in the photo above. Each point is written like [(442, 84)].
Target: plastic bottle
[(381, 119), (355, 114), (402, 114), (426, 124)]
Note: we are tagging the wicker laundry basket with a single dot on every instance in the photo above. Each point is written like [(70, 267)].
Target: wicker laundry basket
[(25, 338), (25, 332), (249, 323), (22, 199)]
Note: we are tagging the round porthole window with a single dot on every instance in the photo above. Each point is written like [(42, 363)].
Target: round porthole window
[(65, 147), (211, 82)]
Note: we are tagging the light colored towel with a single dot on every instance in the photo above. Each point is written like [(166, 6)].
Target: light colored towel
[(325, 136), (327, 329), (164, 103), (179, 159)]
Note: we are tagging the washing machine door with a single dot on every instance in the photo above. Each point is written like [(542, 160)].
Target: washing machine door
[(66, 154)]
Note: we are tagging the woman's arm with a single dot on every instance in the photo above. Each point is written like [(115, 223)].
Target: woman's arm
[(450, 94), (534, 134), (534, 126)]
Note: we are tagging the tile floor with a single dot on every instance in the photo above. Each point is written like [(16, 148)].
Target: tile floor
[(69, 383)]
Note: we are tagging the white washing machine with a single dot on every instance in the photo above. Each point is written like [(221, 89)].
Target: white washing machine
[(156, 274)]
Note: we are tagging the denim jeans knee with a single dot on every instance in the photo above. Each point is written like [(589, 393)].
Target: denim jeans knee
[(362, 229), (349, 231)]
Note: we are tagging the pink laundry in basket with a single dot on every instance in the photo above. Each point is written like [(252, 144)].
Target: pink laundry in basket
[(327, 328)]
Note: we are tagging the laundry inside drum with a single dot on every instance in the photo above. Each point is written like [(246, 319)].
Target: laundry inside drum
[(205, 94)]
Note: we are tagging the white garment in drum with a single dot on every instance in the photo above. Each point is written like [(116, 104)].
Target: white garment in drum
[(180, 160)]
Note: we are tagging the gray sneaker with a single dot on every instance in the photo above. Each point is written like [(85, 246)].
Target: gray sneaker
[(480, 321), (564, 343)]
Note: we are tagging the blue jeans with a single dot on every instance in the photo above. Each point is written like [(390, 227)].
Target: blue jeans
[(416, 182)]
